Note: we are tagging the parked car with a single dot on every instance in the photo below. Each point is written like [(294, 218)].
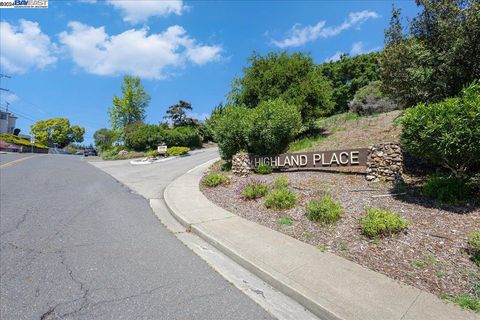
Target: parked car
[(89, 152)]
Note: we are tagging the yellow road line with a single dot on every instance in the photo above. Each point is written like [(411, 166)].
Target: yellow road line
[(17, 160)]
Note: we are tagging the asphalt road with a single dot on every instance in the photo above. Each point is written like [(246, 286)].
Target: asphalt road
[(76, 244)]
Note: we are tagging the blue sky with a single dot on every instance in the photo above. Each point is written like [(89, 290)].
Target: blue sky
[(68, 60)]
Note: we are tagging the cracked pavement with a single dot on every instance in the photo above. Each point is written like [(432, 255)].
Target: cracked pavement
[(77, 244)]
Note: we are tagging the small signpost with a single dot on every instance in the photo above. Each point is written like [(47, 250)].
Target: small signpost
[(162, 149)]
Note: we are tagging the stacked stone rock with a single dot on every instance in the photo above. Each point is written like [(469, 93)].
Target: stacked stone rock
[(241, 165), (384, 162)]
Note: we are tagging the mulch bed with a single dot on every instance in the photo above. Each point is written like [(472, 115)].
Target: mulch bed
[(431, 255)]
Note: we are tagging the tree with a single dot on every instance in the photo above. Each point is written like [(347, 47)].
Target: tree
[(177, 114), (104, 138), (57, 130), (16, 132), (290, 77), (438, 57), (129, 108), (349, 74)]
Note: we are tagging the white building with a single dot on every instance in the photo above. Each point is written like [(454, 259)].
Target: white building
[(7, 122)]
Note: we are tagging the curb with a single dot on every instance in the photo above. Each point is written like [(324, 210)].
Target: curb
[(204, 215)]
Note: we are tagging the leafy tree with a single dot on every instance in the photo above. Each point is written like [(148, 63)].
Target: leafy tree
[(291, 77), (231, 130), (105, 138), (16, 132), (177, 114), (446, 133), (57, 130), (349, 74), (439, 55), (129, 108)]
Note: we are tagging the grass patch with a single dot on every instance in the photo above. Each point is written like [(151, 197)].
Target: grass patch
[(306, 143), (474, 242), (280, 199), (280, 182), (287, 221), (254, 190), (429, 261), (213, 180), (464, 300), (379, 222), (325, 211), (264, 168)]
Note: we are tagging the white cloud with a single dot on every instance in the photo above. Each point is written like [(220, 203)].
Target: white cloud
[(24, 47), (141, 10), (134, 51), (8, 96), (298, 35), (357, 48)]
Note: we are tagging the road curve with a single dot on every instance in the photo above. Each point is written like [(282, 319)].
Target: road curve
[(76, 244)]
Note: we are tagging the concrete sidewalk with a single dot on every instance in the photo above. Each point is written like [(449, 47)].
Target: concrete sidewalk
[(329, 286)]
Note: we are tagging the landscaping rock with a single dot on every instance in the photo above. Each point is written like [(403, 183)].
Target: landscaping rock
[(384, 162), (241, 164)]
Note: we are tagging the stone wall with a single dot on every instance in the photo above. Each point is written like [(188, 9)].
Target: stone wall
[(384, 162), (241, 165)]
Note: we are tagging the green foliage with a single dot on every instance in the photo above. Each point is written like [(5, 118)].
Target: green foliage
[(290, 77), (264, 168), (280, 183), (254, 190), (286, 221), (20, 141), (274, 124), (129, 108), (177, 151), (151, 153), (280, 199), (145, 138), (370, 99), (439, 55), (449, 190), (150, 136), (349, 74), (213, 180), (231, 127), (105, 138), (325, 211), (379, 222), (56, 130), (183, 137), (113, 154), (446, 133), (305, 142)]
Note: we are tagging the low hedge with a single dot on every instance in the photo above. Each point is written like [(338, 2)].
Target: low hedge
[(20, 141)]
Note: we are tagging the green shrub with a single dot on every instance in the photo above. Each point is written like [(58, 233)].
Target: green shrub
[(151, 153), (226, 166), (379, 222), (274, 125), (446, 133), (369, 100), (325, 211), (254, 190), (264, 168), (7, 137), (177, 151), (231, 130), (144, 138), (213, 180), (280, 182), (280, 199), (183, 137), (449, 190), (465, 301)]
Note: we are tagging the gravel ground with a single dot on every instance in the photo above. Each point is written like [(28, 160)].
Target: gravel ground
[(431, 255)]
